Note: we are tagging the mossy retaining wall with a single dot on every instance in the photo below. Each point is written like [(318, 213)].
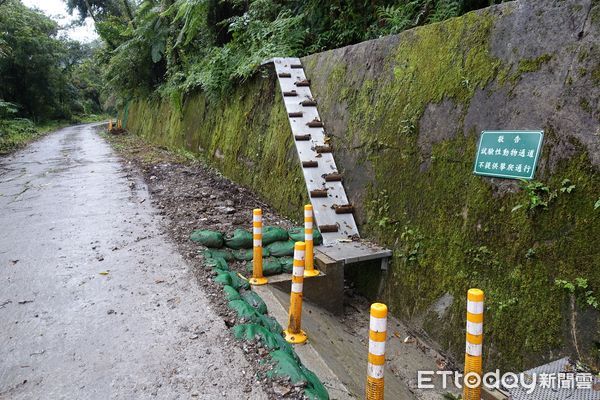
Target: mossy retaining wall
[(405, 113)]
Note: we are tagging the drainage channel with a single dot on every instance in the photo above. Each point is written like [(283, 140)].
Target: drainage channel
[(337, 350)]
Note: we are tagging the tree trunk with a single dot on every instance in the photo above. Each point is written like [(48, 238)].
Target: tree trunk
[(128, 11), (89, 9)]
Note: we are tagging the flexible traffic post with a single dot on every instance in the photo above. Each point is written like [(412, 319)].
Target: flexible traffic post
[(376, 364), (294, 333), (110, 125), (257, 251), (309, 260), (473, 353), (119, 124)]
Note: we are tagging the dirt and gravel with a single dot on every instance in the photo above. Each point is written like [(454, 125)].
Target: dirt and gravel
[(191, 195)]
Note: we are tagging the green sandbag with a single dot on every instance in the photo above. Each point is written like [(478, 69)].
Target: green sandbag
[(223, 278), (231, 293), (247, 254), (254, 300), (287, 264), (217, 263), (271, 266), (254, 331), (214, 253), (285, 365), (237, 282), (281, 249), (297, 235), (244, 310), (314, 394), (315, 389), (288, 365), (207, 238), (241, 239), (271, 324), (273, 234)]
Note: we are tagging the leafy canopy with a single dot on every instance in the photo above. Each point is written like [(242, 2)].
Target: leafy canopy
[(44, 76), (172, 47)]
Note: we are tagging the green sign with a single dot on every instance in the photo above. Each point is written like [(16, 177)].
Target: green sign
[(508, 154)]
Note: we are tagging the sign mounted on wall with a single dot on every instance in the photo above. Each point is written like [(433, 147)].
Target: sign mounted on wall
[(508, 154)]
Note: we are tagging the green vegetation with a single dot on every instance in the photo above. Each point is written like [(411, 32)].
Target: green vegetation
[(171, 48), (18, 131), (45, 77), (532, 65), (581, 297), (596, 76), (580, 289)]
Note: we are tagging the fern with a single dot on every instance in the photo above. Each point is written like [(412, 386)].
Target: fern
[(173, 47), (445, 9), (255, 40), (192, 13), (399, 17), (7, 109)]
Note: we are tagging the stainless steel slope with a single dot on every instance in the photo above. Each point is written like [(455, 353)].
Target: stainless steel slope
[(290, 72)]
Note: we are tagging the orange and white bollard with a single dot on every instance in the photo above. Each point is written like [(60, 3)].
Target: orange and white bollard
[(309, 260), (110, 125), (377, 337), (473, 353), (294, 333), (257, 251), (119, 124)]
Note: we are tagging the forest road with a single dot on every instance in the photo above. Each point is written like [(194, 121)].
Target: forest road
[(95, 302)]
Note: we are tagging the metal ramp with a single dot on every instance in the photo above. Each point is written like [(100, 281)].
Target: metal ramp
[(332, 211)]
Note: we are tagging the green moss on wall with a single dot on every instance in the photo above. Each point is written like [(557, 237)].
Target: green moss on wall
[(245, 136), (533, 64), (585, 105), (596, 76)]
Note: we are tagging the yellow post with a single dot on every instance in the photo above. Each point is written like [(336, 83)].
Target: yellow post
[(257, 256), (119, 124), (309, 261), (377, 337), (294, 332), (473, 364), (110, 125)]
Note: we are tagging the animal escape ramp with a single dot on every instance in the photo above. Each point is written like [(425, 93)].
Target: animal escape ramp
[(315, 152), (332, 211)]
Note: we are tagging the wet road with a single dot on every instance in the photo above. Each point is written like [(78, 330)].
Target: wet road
[(95, 303)]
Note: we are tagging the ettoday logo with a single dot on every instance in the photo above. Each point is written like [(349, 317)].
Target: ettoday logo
[(509, 380)]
